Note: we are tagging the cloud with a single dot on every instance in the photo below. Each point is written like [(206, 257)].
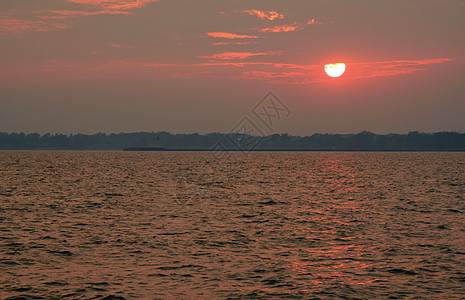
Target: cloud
[(226, 35), (114, 4), (416, 62), (314, 22), (230, 65), (290, 28), (17, 26), (239, 55), (63, 14), (109, 7), (276, 73), (270, 15), (283, 28), (47, 19), (119, 46), (233, 43), (282, 77), (98, 52), (393, 68)]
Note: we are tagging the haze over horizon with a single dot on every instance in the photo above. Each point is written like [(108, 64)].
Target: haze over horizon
[(87, 66)]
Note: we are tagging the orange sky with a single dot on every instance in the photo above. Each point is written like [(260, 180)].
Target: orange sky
[(185, 66)]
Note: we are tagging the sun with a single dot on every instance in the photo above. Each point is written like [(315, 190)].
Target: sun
[(335, 70)]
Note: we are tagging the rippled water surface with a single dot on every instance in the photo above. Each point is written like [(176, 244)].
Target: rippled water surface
[(175, 225)]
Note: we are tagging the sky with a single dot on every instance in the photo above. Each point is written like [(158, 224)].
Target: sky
[(185, 66)]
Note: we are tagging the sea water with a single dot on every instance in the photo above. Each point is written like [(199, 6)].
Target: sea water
[(261, 225)]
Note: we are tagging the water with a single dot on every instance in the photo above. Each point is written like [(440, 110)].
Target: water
[(167, 225)]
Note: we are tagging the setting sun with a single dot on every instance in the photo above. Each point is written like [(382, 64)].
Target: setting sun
[(335, 70)]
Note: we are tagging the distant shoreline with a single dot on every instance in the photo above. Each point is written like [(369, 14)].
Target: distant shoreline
[(236, 142)]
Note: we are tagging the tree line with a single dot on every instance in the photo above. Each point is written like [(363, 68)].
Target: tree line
[(363, 141)]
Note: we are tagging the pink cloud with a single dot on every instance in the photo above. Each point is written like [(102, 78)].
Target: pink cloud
[(290, 28), (119, 46), (306, 74), (232, 43), (114, 5), (98, 52), (226, 35), (393, 68), (416, 62), (16, 26), (43, 20), (231, 65), (314, 22), (62, 14), (270, 15), (239, 55), (283, 28)]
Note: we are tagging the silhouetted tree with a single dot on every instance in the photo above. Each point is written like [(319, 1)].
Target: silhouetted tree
[(360, 141)]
